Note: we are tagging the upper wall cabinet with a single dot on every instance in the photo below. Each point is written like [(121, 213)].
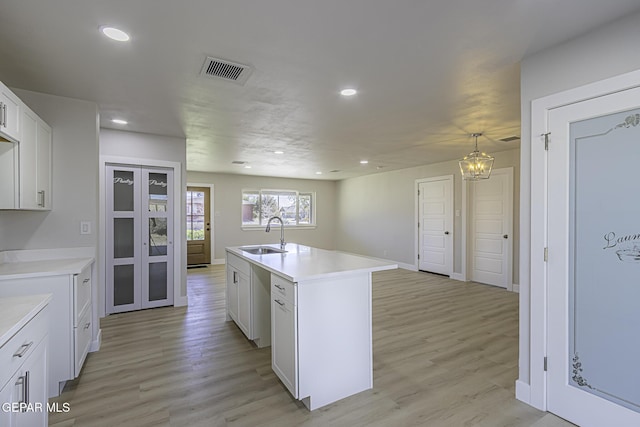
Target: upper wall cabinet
[(9, 114), (35, 162), (25, 156)]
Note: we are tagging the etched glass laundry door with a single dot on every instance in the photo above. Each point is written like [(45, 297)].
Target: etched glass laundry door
[(157, 239), (122, 239), (594, 261)]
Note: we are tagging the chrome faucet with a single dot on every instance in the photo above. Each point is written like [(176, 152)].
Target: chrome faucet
[(282, 242)]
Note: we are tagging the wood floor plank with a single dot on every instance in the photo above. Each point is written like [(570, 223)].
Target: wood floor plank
[(445, 354)]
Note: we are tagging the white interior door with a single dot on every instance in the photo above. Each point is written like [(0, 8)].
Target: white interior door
[(594, 261), (435, 225), (490, 230)]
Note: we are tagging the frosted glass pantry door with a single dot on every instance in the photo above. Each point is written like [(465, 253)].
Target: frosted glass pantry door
[(157, 246), (123, 238), (594, 261)]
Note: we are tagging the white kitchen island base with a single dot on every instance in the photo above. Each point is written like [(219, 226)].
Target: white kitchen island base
[(334, 344), (320, 313)]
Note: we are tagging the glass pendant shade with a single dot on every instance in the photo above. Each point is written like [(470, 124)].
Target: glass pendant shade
[(476, 165)]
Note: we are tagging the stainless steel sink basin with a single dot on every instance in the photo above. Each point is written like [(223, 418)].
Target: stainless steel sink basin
[(261, 250)]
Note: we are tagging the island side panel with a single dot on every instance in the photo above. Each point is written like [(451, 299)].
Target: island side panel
[(334, 333)]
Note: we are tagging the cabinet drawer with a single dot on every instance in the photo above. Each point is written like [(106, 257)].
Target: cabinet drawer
[(21, 345), (282, 288), (81, 293), (82, 338), (239, 264)]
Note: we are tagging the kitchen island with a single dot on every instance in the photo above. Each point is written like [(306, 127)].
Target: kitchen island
[(313, 307)]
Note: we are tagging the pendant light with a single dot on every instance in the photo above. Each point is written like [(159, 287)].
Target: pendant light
[(476, 165)]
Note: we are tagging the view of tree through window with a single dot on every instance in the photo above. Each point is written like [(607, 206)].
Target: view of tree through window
[(292, 207)]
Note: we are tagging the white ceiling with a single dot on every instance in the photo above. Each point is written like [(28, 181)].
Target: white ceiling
[(428, 73)]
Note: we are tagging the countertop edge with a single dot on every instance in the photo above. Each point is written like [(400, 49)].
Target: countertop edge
[(67, 266), (380, 267), (43, 301)]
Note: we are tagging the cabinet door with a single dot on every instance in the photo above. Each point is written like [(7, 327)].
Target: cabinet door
[(34, 374), (10, 106), (244, 305), (7, 397), (35, 162), (284, 343), (232, 292), (43, 162)]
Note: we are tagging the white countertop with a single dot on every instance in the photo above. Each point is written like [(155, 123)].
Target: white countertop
[(15, 312), (301, 262), (51, 267)]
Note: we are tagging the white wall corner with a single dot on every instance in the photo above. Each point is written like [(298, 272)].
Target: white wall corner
[(523, 392), (515, 288), (458, 276), (181, 301)]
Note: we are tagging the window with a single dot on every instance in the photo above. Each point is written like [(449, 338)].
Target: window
[(195, 215), (293, 207)]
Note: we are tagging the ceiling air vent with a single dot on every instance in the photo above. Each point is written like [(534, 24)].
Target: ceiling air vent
[(510, 138), (226, 70), (238, 162)]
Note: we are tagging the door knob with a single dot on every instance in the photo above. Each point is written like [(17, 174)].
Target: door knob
[(506, 236), (446, 232)]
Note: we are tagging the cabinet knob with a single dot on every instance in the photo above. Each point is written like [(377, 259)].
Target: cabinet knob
[(506, 236), (446, 232)]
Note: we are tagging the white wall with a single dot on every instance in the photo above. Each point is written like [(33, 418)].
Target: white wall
[(597, 55), (376, 213), (75, 179), (227, 215), (142, 146)]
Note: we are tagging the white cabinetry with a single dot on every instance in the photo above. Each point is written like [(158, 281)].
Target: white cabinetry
[(239, 302), (25, 156), (284, 332), (10, 106), (23, 375), (70, 328), (35, 162), (248, 299)]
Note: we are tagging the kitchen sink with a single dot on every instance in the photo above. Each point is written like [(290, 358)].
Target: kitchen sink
[(261, 250)]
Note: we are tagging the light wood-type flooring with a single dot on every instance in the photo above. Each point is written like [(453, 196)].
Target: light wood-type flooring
[(445, 354)]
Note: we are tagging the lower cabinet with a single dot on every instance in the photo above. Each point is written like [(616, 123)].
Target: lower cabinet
[(24, 396), (239, 293), (70, 328), (284, 333)]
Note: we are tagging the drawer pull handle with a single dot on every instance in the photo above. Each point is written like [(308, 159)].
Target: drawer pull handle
[(279, 302), (278, 286), (85, 281), (23, 349), (87, 325)]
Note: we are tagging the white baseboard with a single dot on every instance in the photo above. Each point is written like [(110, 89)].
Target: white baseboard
[(523, 392), (95, 344), (218, 261), (516, 288), (458, 276), (409, 267), (181, 301)]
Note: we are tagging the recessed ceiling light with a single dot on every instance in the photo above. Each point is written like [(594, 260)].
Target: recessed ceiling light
[(120, 121), (247, 167), (278, 152), (348, 92), (318, 173), (115, 34), (364, 162)]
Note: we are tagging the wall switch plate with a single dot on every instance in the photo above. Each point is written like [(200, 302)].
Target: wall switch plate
[(85, 227)]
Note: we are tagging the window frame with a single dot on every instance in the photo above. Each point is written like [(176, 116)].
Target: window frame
[(297, 225)]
